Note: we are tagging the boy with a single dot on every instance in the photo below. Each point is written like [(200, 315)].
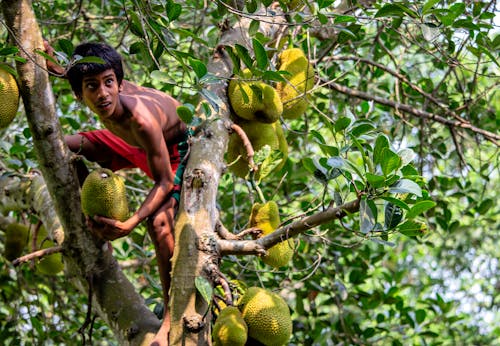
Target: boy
[(142, 130)]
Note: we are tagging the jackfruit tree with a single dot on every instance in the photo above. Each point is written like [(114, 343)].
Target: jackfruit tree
[(340, 186)]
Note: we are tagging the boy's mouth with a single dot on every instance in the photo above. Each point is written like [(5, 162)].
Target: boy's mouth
[(104, 105)]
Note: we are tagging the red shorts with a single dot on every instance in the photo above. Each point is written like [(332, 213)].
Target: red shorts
[(123, 155)]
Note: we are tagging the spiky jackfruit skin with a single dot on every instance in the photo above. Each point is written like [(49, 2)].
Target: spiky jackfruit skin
[(230, 328), (266, 217), (293, 93), (103, 193), (16, 239), (51, 264), (9, 94), (259, 134), (267, 316), (254, 100), (282, 144)]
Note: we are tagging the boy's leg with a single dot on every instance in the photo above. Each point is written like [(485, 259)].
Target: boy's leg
[(161, 230)]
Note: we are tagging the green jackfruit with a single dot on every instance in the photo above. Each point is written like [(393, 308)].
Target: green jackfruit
[(16, 239), (254, 100), (51, 264), (103, 193), (259, 134), (282, 144), (230, 328), (266, 217), (267, 316), (9, 94), (293, 93)]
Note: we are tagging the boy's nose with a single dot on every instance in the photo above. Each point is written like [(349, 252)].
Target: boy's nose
[(101, 91)]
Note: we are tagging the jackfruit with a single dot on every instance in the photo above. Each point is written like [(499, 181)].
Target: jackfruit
[(293, 93), (16, 239), (259, 134), (254, 100), (51, 264), (230, 328), (103, 193), (9, 94), (267, 316), (282, 144), (266, 217)]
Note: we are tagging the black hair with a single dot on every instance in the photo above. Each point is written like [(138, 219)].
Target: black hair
[(112, 60)]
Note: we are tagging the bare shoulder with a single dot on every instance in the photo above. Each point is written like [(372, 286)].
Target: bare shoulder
[(132, 89), (152, 100)]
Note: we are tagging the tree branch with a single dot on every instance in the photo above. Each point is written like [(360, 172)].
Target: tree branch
[(247, 247), (37, 254), (490, 136)]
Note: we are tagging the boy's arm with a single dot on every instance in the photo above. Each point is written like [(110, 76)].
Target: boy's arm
[(150, 137)]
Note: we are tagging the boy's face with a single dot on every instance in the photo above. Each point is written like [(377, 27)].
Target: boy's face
[(100, 93)]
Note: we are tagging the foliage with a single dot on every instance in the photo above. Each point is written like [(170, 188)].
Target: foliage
[(417, 264)]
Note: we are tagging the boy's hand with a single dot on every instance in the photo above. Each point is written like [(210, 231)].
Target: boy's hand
[(53, 67), (107, 229)]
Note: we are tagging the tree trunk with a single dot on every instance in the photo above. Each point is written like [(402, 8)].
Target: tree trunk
[(117, 301)]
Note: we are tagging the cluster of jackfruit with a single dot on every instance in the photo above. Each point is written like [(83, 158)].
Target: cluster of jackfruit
[(266, 217), (258, 106), (9, 94), (103, 193), (300, 79), (260, 314), (17, 236)]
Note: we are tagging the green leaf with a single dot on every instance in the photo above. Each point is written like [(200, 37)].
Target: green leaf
[(412, 228), (254, 27), (174, 10), (406, 186), (185, 114), (390, 161), (374, 180), (485, 206), (381, 143), (396, 201), (270, 163), (420, 315), (135, 25), (198, 67), (66, 46), (419, 208), (342, 123), (260, 54), (429, 5), (362, 128), (395, 10), (309, 164), (204, 288), (325, 3), (88, 60), (393, 215), (344, 19), (243, 54), (466, 24)]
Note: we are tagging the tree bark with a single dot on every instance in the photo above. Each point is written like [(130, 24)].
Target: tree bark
[(117, 301)]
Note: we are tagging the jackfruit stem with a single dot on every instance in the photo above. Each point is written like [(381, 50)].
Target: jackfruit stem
[(256, 187), (247, 144)]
